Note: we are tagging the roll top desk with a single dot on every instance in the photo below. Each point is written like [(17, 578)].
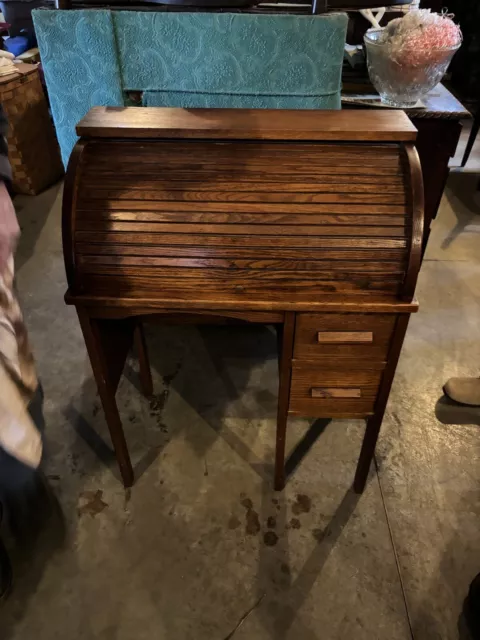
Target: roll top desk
[(309, 220)]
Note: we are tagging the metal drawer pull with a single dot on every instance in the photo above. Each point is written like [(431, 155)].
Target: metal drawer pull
[(319, 392), (363, 337)]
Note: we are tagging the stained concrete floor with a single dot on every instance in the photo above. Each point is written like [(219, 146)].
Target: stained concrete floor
[(201, 539)]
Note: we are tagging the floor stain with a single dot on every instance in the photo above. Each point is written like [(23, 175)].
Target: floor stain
[(270, 538), (295, 523), (128, 495), (303, 504), (252, 522), (284, 568), (246, 502), (92, 503), (168, 379), (157, 402), (233, 522), (75, 466), (271, 522), (318, 534)]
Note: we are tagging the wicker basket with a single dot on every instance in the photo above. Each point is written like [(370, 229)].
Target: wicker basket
[(32, 145)]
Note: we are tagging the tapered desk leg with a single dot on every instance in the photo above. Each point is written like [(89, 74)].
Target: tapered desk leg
[(285, 375), (279, 333), (375, 422), (367, 452), (107, 346), (143, 361)]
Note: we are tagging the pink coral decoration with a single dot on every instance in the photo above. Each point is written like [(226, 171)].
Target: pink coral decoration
[(415, 39)]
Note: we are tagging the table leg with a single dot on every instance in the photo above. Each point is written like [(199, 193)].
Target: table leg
[(436, 143), (285, 374), (143, 360), (375, 422), (367, 452), (279, 333), (100, 346), (471, 138)]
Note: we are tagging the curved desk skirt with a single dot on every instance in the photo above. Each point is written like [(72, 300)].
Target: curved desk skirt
[(310, 220)]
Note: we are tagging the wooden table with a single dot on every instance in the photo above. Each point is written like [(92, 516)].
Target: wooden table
[(439, 127), (311, 223)]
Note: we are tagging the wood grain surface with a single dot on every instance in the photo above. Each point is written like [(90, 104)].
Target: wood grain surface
[(378, 329), (305, 401), (308, 220), (322, 392), (244, 237), (327, 303), (417, 204), (256, 124), (344, 337)]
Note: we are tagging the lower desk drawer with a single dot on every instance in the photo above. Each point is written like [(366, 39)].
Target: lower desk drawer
[(318, 393)]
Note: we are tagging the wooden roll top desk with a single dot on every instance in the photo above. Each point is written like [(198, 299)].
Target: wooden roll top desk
[(309, 220)]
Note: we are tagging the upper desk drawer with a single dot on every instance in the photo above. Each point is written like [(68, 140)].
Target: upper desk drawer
[(345, 335)]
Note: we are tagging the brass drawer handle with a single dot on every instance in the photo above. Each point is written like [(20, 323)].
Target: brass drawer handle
[(319, 392), (361, 337)]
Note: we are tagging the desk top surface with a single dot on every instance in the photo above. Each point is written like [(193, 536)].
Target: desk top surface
[(247, 124)]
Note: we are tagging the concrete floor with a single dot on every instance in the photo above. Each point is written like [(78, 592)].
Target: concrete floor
[(184, 554)]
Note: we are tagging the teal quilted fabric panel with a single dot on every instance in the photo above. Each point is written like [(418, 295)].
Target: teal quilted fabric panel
[(79, 59), (187, 59), (232, 101), (230, 53)]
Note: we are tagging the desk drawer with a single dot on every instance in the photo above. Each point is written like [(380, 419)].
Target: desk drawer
[(318, 393), (344, 335)]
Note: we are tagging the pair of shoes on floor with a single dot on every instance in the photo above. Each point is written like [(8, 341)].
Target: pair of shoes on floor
[(5, 567), (464, 391)]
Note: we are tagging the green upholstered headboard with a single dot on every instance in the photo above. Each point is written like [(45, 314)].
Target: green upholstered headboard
[(182, 59)]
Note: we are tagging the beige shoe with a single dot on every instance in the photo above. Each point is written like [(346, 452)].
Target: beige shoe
[(464, 391)]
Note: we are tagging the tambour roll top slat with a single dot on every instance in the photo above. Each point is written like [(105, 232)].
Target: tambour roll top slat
[(267, 209)]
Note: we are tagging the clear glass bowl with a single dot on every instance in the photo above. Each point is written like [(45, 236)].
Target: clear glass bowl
[(402, 82)]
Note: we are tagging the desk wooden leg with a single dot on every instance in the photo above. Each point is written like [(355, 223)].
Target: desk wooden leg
[(100, 342), (279, 332), (143, 361), (116, 433), (366, 454), (285, 374), (375, 422)]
